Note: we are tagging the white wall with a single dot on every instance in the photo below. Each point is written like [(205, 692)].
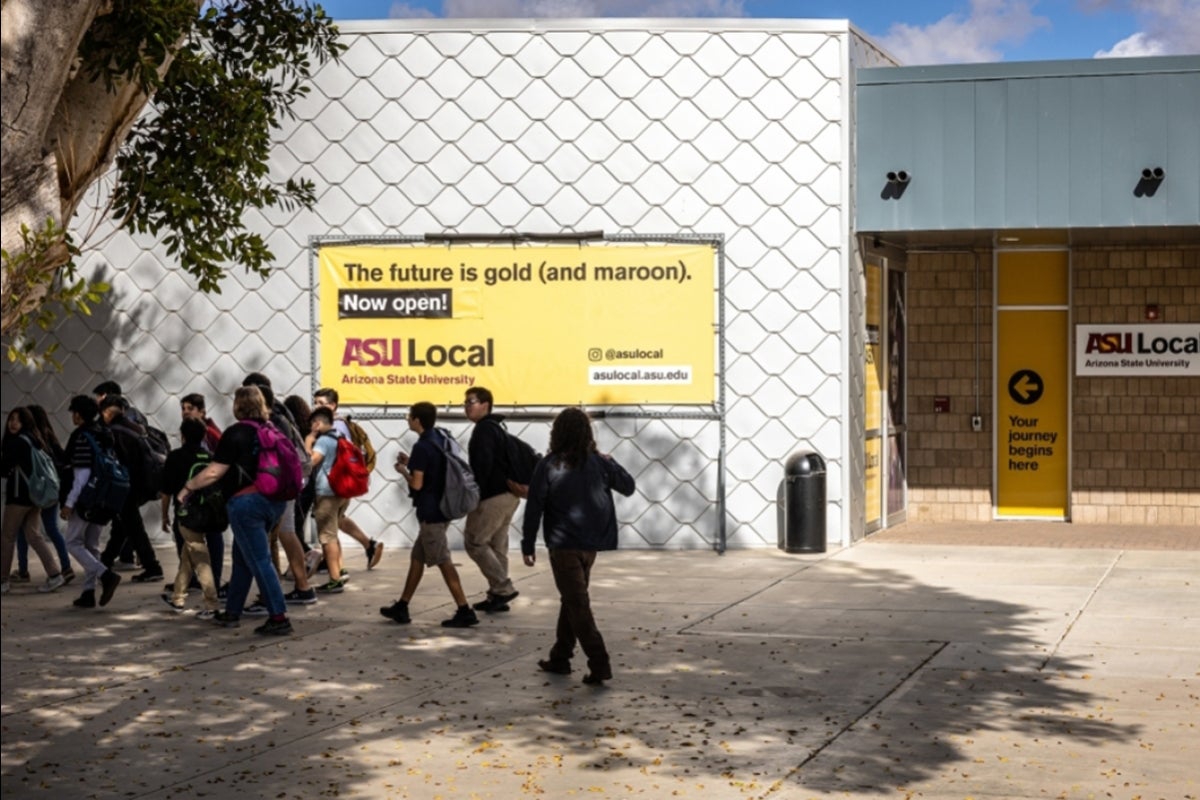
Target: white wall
[(631, 127)]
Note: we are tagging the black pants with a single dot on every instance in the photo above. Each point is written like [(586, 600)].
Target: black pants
[(128, 526), (572, 572)]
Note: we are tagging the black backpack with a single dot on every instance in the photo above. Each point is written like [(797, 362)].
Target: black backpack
[(204, 510), (108, 486), (519, 458), (144, 462)]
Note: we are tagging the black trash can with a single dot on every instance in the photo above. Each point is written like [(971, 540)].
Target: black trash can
[(802, 517)]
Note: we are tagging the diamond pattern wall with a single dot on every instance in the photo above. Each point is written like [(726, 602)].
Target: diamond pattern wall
[(739, 131)]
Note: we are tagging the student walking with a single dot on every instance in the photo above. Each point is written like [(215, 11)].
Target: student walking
[(251, 514), (570, 497), (485, 532), (425, 472), (16, 464)]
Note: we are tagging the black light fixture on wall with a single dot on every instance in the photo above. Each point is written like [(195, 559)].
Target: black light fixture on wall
[(897, 182), (1152, 178)]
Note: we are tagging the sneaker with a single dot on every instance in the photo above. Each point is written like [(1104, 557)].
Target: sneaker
[(333, 587), (464, 617), (120, 565), (397, 612), (304, 597), (166, 598), (18, 577), (491, 605), (507, 598), (85, 600), (109, 582), (256, 610), (272, 627), (312, 560), (148, 576), (68, 575), (51, 584), (226, 620), (205, 614), (374, 553)]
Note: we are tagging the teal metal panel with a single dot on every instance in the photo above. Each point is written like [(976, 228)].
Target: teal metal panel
[(1086, 159), (991, 180), (1021, 150), (1181, 188), (1117, 178), (958, 155), (1052, 190), (1046, 144)]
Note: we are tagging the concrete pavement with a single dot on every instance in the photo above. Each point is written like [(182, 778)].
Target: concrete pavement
[(888, 669)]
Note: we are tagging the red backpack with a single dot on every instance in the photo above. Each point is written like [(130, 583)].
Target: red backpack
[(349, 476)]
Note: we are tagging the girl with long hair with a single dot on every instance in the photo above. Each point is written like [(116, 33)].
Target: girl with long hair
[(570, 497)]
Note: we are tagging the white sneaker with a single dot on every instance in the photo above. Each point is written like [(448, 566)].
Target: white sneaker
[(51, 584), (205, 614), (312, 560)]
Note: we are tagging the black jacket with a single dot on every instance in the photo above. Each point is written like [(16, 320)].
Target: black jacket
[(488, 456), (574, 506)]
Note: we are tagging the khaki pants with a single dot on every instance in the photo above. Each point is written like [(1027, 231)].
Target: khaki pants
[(193, 559), (29, 518), (485, 536)]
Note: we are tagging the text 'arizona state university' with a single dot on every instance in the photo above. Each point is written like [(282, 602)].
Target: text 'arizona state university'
[(411, 353)]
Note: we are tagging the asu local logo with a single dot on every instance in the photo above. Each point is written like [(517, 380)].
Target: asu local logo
[(408, 352), (1137, 350)]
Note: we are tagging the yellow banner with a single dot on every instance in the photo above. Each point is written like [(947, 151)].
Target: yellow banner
[(597, 324), (1031, 421)]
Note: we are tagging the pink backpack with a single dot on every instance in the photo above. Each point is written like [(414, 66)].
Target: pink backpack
[(279, 475)]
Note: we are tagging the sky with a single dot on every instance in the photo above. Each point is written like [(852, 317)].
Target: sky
[(913, 31)]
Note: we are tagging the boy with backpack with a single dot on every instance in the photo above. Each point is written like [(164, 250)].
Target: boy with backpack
[(425, 473), (199, 550), (88, 443), (326, 397), (329, 508), (135, 453)]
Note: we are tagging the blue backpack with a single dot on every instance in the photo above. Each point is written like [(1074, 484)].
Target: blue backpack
[(107, 488)]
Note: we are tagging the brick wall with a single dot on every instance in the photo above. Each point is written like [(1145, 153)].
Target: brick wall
[(1135, 441), (950, 468)]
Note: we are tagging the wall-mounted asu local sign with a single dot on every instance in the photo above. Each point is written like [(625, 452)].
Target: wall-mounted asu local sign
[(1117, 349), (599, 324)]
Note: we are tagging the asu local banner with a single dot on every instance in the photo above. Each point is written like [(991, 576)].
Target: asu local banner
[(607, 324), (1118, 349)]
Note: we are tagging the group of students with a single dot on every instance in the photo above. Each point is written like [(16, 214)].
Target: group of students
[(569, 498)]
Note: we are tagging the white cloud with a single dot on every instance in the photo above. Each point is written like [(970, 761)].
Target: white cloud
[(1168, 27), (405, 11), (593, 8), (958, 38)]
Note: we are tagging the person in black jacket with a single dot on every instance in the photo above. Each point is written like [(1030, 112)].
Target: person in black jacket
[(570, 497), (485, 532), (129, 525), (16, 462)]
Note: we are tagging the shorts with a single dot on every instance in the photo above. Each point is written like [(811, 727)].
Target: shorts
[(328, 512), (432, 547)]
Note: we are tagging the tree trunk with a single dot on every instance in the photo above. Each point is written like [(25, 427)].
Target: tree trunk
[(61, 132)]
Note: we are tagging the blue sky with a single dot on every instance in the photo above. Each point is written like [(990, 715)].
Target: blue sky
[(915, 31)]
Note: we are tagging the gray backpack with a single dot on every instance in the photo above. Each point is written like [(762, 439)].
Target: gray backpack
[(462, 492), (42, 479)]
